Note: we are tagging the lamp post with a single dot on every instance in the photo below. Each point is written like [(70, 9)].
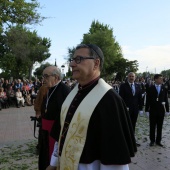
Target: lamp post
[(62, 70)]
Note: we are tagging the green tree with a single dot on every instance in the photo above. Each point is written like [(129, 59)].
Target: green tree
[(165, 73), (69, 73), (102, 35), (19, 12), (39, 70), (14, 12), (70, 55), (123, 66), (39, 50), (23, 49)]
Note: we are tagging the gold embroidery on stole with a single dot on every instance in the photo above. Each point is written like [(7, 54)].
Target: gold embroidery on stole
[(76, 135)]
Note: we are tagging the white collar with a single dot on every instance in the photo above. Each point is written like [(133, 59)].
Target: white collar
[(131, 83), (157, 85)]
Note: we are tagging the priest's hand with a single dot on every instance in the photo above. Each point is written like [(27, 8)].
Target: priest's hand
[(51, 167), (143, 94), (167, 114), (147, 114), (141, 113)]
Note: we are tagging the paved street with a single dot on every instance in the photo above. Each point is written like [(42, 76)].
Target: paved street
[(15, 125), (17, 129)]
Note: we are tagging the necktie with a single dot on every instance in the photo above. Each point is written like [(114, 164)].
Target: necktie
[(133, 92), (158, 89)]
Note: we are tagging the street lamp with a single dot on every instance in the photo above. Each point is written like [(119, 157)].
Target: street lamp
[(62, 70)]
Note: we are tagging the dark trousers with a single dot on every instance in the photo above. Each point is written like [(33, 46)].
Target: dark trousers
[(156, 121), (43, 161), (133, 117), (12, 101)]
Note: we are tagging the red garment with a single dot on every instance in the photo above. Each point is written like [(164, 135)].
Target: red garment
[(47, 125)]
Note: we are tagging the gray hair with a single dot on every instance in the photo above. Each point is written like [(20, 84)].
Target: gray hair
[(53, 70), (56, 71), (131, 73)]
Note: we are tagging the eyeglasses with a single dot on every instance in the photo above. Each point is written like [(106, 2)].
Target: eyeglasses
[(78, 59), (45, 76)]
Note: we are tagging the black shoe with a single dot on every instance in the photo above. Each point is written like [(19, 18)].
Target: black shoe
[(137, 144), (18, 107), (159, 144), (23, 105), (151, 144)]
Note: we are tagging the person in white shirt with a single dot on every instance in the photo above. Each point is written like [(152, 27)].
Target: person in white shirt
[(19, 98)]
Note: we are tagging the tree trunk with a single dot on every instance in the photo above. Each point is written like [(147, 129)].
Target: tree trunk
[(30, 72)]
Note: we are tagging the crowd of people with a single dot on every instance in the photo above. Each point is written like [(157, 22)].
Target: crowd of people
[(18, 92)]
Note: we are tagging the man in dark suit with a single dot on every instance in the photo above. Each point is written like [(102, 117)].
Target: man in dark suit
[(132, 96), (156, 108)]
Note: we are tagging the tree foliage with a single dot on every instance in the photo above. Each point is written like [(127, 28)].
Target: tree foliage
[(71, 52), (19, 12), (22, 49), (123, 66), (102, 35), (166, 73), (38, 71)]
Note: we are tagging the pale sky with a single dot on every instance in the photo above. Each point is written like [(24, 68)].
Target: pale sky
[(141, 27)]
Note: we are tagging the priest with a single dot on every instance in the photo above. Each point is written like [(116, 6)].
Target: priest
[(94, 130), (51, 107)]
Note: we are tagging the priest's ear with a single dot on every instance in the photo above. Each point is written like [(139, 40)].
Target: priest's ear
[(96, 63)]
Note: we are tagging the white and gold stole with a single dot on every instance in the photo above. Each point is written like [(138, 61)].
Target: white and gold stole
[(76, 135)]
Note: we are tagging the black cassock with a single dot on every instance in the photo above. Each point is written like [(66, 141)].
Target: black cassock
[(110, 136), (53, 111)]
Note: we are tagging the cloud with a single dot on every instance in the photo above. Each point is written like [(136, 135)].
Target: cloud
[(152, 58)]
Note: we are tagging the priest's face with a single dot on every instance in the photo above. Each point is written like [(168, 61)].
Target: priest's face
[(85, 68), (49, 79)]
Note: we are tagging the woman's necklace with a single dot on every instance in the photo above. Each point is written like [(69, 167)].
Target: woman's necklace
[(48, 98)]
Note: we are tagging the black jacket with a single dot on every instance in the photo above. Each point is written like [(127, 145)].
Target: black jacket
[(132, 102), (55, 101), (110, 136), (154, 106)]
